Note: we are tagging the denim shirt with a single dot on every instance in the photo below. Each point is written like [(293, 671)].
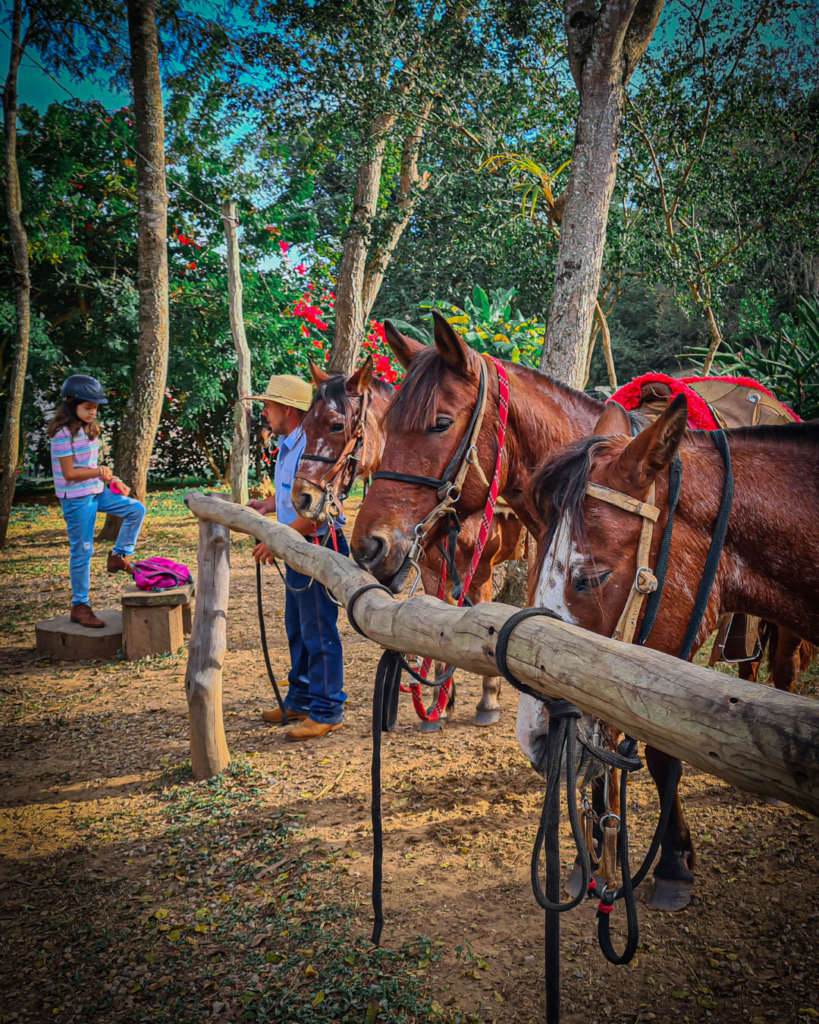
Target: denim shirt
[(291, 449)]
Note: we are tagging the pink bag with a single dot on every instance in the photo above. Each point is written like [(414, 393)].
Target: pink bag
[(161, 574)]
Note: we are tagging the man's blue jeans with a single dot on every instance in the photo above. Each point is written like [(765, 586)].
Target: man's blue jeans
[(80, 517), (317, 673)]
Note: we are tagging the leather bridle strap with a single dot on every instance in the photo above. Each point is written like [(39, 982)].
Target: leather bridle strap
[(645, 582)]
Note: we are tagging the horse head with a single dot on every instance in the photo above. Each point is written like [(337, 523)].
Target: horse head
[(593, 497), (339, 445), (426, 425)]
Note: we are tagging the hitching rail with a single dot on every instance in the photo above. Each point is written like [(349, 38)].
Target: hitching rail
[(752, 736)]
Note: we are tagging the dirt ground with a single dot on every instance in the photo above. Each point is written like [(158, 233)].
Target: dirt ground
[(108, 847)]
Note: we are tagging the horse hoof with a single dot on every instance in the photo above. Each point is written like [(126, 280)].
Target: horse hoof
[(669, 895), (484, 718), (572, 884), (430, 726), (772, 801)]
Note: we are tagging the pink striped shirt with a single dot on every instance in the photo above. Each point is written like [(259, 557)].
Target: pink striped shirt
[(86, 455)]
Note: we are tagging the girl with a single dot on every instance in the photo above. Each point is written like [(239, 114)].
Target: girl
[(80, 486)]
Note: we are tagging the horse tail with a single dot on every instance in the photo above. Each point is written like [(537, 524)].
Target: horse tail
[(807, 655)]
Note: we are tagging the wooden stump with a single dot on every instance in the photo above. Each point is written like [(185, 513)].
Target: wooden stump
[(64, 639), (155, 622), (206, 651)]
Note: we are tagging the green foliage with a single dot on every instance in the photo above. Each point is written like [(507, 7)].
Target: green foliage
[(786, 362), (489, 324)]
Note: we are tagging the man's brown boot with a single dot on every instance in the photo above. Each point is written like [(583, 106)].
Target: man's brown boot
[(83, 616), (275, 716), (120, 563), (310, 730)]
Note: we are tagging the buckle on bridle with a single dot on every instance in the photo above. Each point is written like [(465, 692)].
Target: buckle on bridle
[(644, 580)]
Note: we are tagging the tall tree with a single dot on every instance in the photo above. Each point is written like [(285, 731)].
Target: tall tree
[(10, 443), (606, 42), (144, 408)]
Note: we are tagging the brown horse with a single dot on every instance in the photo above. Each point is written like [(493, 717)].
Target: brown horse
[(589, 568), (331, 424)]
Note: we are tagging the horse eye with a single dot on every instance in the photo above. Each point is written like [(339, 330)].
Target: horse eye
[(583, 584), (441, 424), (336, 428)]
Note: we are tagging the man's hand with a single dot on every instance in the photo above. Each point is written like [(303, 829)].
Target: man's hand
[(262, 554), (264, 505)]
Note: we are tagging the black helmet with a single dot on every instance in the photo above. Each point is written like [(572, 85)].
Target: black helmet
[(83, 389)]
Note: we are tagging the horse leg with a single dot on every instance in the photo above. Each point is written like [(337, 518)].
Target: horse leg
[(784, 658), (488, 709), (673, 875)]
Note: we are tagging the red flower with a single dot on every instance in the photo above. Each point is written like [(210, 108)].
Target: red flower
[(301, 268), (184, 240), (190, 266), (284, 246)]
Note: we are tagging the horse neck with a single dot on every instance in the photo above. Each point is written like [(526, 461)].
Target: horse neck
[(542, 416), (770, 562), (375, 434)]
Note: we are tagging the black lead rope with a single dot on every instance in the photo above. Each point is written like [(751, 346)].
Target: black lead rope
[(709, 573), (263, 632), (560, 743), (653, 603)]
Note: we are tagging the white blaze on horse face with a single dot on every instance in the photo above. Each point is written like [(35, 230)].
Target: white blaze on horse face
[(559, 566)]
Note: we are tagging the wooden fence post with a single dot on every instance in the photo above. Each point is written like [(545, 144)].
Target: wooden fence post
[(206, 651), (240, 451)]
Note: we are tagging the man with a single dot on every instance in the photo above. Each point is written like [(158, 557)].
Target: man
[(316, 694)]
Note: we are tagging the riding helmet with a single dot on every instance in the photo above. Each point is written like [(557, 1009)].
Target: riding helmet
[(83, 389)]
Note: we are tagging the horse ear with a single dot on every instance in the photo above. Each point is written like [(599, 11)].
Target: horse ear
[(362, 378), (613, 421), (404, 349), (319, 376), (454, 351), (655, 446)]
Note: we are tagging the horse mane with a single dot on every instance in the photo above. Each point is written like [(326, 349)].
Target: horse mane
[(413, 407)]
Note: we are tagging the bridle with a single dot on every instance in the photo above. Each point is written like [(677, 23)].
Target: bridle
[(449, 485), (448, 488), (347, 461), (647, 582)]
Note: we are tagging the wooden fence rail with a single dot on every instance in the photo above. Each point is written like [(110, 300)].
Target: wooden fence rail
[(757, 738)]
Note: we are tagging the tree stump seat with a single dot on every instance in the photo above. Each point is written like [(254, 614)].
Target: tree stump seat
[(68, 641), (155, 622)]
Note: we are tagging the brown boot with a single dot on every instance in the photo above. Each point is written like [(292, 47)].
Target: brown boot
[(275, 716), (310, 730), (119, 563), (83, 616)]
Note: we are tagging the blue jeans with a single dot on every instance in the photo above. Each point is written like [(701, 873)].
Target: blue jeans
[(317, 673), (80, 517)]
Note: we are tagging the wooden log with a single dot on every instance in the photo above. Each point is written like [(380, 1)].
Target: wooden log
[(757, 738), (206, 650), (240, 451)]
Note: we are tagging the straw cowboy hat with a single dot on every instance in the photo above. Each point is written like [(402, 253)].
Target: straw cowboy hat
[(286, 389)]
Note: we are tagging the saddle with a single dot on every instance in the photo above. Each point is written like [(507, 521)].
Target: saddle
[(714, 403)]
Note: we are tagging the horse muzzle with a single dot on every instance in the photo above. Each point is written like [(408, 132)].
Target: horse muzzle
[(383, 556), (310, 500)]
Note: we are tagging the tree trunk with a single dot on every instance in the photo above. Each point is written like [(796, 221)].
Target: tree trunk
[(10, 443), (604, 48), (240, 450), (350, 311), (144, 408)]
